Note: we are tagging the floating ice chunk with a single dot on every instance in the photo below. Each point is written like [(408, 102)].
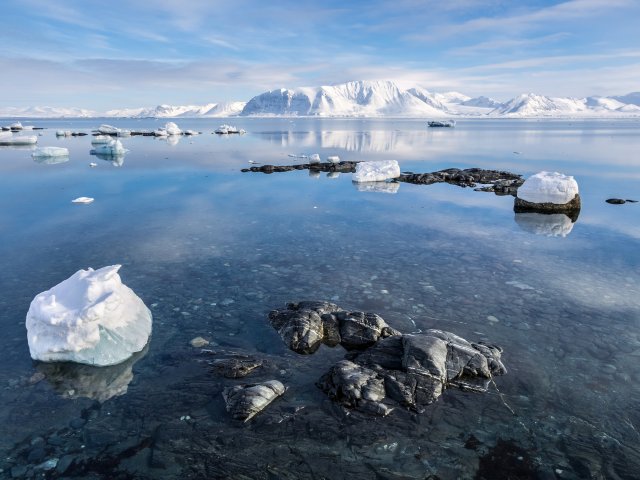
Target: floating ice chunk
[(384, 187), (18, 140), (90, 318), (191, 132), (123, 133), (161, 132), (16, 126), (82, 200), (63, 133), (315, 158), (172, 129), (553, 225), (225, 129), (333, 159), (101, 140), (548, 187), (108, 129), (93, 164), (44, 152), (376, 171), (113, 148)]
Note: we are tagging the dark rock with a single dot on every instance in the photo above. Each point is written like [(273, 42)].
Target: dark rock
[(245, 401), (345, 167), (497, 181), (18, 471), (304, 326), (36, 455), (571, 209), (77, 423), (235, 367), (619, 201), (413, 371), (507, 461), (64, 464)]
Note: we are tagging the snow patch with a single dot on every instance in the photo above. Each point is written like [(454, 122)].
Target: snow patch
[(548, 187)]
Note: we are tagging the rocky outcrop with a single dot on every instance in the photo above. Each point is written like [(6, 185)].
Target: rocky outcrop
[(344, 167), (497, 181), (245, 401), (304, 326), (571, 209), (411, 371)]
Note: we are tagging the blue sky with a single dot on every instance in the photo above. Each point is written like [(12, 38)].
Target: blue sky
[(102, 55)]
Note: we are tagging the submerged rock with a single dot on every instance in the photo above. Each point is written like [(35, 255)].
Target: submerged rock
[(245, 401), (235, 367), (304, 326), (90, 318)]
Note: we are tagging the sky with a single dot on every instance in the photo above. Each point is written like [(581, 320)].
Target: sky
[(97, 55)]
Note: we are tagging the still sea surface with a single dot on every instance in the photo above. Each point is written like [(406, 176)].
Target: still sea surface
[(212, 250)]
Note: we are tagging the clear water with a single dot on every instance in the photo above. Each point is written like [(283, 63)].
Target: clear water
[(211, 250)]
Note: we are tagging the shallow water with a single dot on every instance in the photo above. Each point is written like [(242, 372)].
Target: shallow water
[(211, 250)]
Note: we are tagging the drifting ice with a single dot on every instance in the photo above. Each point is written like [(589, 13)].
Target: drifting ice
[(113, 148), (172, 129), (376, 171), (82, 200), (548, 187), (7, 138), (90, 318)]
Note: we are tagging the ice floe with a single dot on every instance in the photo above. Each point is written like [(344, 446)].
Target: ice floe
[(101, 140), (90, 318), (376, 171), (84, 200), (10, 139), (113, 148)]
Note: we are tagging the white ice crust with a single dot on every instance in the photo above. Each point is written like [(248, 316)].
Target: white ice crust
[(50, 152), (548, 187), (90, 318), (378, 171)]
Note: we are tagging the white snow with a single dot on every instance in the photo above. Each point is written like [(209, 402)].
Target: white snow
[(554, 225), (314, 158), (50, 152), (376, 171), (161, 132), (113, 148), (548, 187), (83, 200), (333, 159), (172, 129), (90, 318), (224, 129)]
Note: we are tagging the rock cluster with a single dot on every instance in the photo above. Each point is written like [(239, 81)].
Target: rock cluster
[(498, 181), (304, 326), (385, 368), (245, 401), (344, 167)]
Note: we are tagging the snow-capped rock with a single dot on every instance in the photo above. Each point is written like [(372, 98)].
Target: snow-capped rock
[(333, 159), (90, 318), (376, 171), (629, 99), (548, 187), (172, 129), (180, 111)]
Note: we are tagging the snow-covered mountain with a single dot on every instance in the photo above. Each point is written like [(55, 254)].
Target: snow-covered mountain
[(532, 105), (352, 99), (366, 99), (173, 111)]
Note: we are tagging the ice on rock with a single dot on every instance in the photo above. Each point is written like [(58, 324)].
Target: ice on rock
[(548, 187), (113, 148), (333, 159), (16, 126), (161, 132), (315, 158), (378, 171), (172, 129), (44, 152), (90, 318), (63, 133)]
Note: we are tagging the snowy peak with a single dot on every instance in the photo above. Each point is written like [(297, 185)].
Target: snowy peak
[(176, 111), (532, 105)]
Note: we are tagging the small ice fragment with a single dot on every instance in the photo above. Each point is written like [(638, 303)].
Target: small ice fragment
[(93, 164), (315, 158), (376, 171), (333, 159), (82, 200)]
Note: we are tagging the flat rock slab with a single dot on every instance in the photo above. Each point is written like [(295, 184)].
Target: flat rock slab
[(570, 209), (235, 367), (345, 167), (246, 401)]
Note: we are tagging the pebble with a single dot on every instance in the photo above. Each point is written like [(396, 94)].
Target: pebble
[(199, 342), (492, 319)]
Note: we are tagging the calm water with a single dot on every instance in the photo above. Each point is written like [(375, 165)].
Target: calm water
[(211, 250)]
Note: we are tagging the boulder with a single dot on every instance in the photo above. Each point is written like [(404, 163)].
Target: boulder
[(245, 401), (548, 192)]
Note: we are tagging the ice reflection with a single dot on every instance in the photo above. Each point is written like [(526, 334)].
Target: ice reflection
[(549, 225), (333, 175), (116, 160), (314, 173), (383, 187), (171, 140), (74, 380), (52, 160)]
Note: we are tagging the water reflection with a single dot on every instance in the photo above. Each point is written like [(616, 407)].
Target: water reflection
[(314, 173), (171, 140), (549, 225), (383, 187), (74, 380), (333, 175), (52, 160), (116, 160)]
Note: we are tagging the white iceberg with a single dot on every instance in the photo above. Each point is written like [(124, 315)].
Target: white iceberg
[(315, 158), (548, 187), (161, 132), (225, 129), (44, 152), (333, 159), (376, 171), (90, 318), (549, 225), (101, 140), (84, 200), (16, 126), (383, 187), (172, 129), (113, 148), (18, 140)]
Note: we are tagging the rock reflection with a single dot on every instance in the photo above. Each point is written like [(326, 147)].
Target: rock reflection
[(383, 187), (549, 225), (333, 175), (74, 380), (314, 173)]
